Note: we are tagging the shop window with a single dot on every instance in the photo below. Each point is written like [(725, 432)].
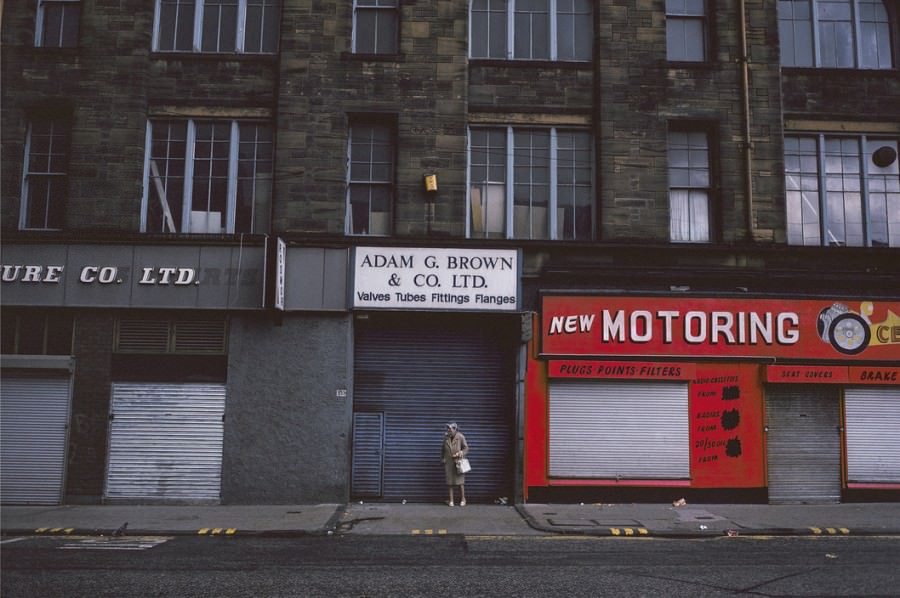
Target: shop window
[(192, 336), (370, 178), (57, 23), (531, 29), (842, 190), (686, 30), (530, 183), (45, 181), (375, 26), (217, 26), (689, 186), (27, 332), (835, 34), (212, 177)]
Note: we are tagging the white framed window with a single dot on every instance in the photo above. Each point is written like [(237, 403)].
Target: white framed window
[(217, 26), (835, 34), (376, 25), (686, 30), (531, 29), (45, 182), (689, 186), (56, 25), (530, 183), (208, 176), (842, 190), (370, 178)]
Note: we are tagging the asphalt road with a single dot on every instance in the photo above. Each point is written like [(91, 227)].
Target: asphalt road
[(451, 565)]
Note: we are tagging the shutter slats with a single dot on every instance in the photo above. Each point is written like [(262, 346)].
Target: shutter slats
[(872, 417), (34, 413), (166, 441), (421, 375), (803, 444), (619, 430)]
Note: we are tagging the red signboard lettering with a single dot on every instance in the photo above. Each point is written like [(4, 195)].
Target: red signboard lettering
[(690, 326)]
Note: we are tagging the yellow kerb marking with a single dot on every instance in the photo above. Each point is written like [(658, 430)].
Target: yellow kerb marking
[(69, 530), (203, 531), (429, 532), (615, 531), (845, 531), (816, 530), (642, 531), (231, 531), (216, 531), (56, 530), (442, 532), (831, 530), (416, 532), (41, 530)]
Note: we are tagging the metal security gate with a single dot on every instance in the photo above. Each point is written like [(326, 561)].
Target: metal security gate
[(619, 429), (418, 373), (804, 444), (34, 417), (165, 441), (368, 454), (872, 416)]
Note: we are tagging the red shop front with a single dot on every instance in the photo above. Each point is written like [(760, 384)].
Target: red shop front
[(726, 398)]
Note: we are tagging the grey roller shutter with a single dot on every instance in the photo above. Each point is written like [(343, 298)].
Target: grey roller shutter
[(872, 416), (34, 416), (619, 429), (804, 459), (166, 441), (424, 372)]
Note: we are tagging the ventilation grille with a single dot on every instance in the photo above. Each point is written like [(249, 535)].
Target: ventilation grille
[(146, 335)]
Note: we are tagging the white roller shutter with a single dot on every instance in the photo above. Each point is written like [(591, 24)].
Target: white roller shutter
[(34, 416), (872, 416), (166, 441), (619, 429)]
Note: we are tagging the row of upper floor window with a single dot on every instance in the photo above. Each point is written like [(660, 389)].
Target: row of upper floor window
[(523, 182), (813, 33)]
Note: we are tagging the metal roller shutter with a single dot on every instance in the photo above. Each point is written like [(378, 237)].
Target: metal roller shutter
[(166, 441), (421, 373), (804, 448), (619, 429), (34, 417), (368, 447), (872, 416)]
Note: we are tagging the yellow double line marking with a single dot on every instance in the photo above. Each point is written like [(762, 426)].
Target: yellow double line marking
[(831, 531), (628, 531), (216, 531)]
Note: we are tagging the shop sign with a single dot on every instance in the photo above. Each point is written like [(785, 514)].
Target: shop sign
[(710, 327), (641, 370), (874, 375), (182, 277), (807, 374), (436, 279)]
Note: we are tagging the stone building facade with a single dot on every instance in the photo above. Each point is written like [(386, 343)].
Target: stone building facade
[(243, 164)]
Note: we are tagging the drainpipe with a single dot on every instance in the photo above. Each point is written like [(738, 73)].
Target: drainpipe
[(748, 143)]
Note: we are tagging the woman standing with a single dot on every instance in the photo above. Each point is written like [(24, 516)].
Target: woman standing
[(455, 447)]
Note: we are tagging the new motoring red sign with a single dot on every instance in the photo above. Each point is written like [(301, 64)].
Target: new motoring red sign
[(730, 327)]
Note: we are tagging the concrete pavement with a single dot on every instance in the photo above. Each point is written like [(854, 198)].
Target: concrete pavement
[(531, 519)]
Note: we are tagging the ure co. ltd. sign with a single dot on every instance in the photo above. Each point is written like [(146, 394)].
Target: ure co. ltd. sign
[(436, 278)]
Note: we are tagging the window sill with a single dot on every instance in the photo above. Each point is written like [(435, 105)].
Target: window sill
[(213, 57), (352, 56), (700, 65), (833, 71), (531, 64)]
